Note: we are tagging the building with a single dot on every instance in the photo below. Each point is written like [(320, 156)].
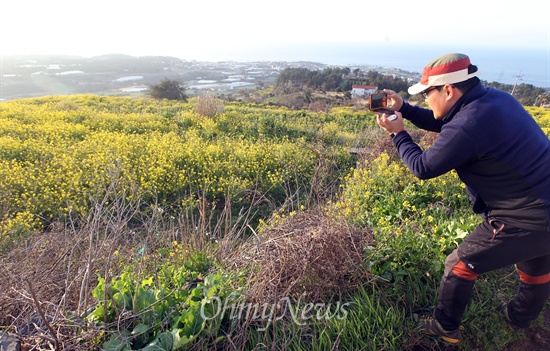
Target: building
[(362, 90)]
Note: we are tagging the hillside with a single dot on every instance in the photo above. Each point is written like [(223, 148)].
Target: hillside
[(122, 75), (134, 223)]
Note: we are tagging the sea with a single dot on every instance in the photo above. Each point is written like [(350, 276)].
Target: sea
[(503, 65)]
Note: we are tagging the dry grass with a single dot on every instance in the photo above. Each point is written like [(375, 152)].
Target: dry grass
[(309, 253), (382, 143), (46, 282), (208, 105), (41, 283)]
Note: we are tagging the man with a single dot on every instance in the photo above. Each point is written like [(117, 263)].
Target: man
[(503, 157)]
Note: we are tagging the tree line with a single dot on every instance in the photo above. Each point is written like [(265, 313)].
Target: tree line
[(526, 94), (382, 81), (296, 79), (334, 79), (341, 79)]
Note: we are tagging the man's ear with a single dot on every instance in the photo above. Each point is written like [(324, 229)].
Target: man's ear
[(451, 92)]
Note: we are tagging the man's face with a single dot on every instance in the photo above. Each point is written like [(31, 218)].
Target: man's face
[(441, 99)]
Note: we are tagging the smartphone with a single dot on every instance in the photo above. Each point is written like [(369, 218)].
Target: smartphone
[(378, 101)]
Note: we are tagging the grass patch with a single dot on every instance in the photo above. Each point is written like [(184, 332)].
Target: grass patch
[(144, 225)]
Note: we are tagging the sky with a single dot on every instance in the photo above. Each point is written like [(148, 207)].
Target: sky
[(215, 30)]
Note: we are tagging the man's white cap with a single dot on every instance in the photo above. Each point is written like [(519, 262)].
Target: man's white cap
[(447, 69)]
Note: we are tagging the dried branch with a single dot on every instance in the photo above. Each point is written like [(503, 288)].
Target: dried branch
[(42, 315)]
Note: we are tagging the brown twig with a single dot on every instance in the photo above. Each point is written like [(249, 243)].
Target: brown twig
[(42, 315)]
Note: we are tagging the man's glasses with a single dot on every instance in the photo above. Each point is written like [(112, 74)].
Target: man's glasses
[(427, 91)]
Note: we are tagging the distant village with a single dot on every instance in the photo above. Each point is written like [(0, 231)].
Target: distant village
[(362, 90), (122, 75)]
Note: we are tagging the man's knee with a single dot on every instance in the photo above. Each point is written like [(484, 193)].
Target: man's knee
[(454, 264)]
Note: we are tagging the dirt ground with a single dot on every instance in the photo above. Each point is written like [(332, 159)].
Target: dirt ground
[(537, 339)]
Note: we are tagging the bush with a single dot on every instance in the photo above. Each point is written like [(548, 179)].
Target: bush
[(208, 106), (419, 222), (305, 254), (168, 89)]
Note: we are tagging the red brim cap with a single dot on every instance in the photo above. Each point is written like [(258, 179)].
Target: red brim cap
[(447, 69)]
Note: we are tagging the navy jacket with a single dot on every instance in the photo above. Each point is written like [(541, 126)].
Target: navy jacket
[(497, 149)]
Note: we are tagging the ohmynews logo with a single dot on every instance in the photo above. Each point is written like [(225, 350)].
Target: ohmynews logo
[(299, 311)]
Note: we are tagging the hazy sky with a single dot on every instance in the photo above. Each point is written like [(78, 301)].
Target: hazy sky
[(209, 29)]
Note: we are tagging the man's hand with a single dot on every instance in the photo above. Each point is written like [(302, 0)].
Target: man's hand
[(396, 100), (389, 124)]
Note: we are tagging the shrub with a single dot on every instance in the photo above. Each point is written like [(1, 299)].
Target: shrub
[(304, 254), (208, 105), (419, 222), (168, 89)]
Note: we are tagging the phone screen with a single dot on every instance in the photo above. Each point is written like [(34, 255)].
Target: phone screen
[(378, 100)]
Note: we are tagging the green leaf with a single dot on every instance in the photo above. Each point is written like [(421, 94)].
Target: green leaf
[(144, 299), (163, 342), (99, 290), (140, 329), (123, 300), (189, 325), (437, 266), (213, 279), (147, 281), (180, 340), (461, 234), (116, 343), (97, 314)]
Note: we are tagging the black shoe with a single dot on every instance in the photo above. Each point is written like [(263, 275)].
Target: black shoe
[(511, 325), (430, 326), (503, 308)]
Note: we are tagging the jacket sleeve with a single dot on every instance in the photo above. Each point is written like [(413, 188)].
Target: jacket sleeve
[(452, 149), (421, 117)]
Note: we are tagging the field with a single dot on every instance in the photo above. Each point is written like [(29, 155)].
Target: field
[(131, 224)]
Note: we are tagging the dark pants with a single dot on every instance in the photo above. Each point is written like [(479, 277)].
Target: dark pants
[(483, 251)]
